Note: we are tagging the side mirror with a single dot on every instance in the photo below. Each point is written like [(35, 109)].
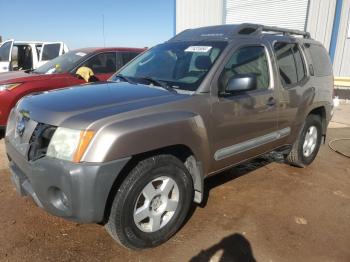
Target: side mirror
[(241, 83)]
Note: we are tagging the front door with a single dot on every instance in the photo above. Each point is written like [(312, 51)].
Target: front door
[(245, 123), (5, 56), (103, 65)]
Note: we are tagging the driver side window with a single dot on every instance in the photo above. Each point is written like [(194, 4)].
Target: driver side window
[(247, 60)]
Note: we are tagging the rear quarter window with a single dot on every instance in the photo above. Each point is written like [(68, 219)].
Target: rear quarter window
[(320, 60)]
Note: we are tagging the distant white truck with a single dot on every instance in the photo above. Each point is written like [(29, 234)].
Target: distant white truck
[(27, 55)]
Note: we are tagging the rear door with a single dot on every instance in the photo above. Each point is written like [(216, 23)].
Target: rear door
[(295, 91), (50, 51), (5, 55)]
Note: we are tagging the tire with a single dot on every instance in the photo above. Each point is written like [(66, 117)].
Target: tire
[(2, 133), (142, 190), (301, 156)]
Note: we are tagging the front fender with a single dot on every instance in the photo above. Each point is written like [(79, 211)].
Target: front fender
[(150, 132)]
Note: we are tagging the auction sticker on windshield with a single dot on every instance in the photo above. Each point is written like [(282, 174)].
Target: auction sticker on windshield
[(80, 54), (198, 49)]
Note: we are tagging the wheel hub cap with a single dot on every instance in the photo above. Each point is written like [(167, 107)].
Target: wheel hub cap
[(156, 204), (310, 141)]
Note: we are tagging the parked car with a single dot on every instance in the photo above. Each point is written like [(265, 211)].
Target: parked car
[(133, 154), (27, 55), (61, 72)]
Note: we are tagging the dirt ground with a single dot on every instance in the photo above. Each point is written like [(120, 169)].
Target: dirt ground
[(262, 210)]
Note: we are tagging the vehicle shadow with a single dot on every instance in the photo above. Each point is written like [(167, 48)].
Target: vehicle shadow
[(232, 248), (233, 173)]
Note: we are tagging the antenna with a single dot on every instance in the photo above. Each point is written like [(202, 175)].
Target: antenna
[(103, 30)]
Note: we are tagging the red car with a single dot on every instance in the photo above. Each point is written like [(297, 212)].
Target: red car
[(60, 72)]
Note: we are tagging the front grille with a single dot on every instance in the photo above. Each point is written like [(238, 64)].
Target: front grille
[(39, 141), (19, 132)]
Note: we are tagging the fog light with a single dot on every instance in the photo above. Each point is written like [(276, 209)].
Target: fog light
[(58, 199)]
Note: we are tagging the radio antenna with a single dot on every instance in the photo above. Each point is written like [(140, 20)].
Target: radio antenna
[(103, 30)]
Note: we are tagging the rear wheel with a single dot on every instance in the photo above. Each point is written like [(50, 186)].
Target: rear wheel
[(152, 203), (308, 143)]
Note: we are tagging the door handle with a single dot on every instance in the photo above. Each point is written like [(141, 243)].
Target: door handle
[(271, 102)]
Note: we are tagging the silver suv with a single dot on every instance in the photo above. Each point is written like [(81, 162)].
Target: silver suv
[(132, 153)]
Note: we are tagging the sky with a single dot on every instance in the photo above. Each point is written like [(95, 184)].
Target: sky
[(129, 23)]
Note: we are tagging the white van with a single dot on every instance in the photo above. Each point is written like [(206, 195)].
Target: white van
[(25, 55)]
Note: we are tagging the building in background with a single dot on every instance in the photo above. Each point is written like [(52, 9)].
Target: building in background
[(326, 20)]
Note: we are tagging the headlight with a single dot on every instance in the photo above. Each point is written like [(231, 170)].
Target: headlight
[(9, 86), (69, 144)]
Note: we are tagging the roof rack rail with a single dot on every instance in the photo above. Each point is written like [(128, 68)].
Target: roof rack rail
[(247, 28)]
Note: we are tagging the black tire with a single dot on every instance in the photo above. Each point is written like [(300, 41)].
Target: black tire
[(121, 225), (296, 157)]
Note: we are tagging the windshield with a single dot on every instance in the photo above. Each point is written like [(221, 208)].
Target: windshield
[(61, 64), (181, 65)]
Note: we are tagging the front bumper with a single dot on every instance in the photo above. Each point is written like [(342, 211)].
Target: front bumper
[(73, 191)]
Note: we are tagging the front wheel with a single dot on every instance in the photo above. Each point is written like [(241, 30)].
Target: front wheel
[(152, 203), (308, 143)]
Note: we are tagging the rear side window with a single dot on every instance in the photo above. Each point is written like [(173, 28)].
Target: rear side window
[(320, 59), (127, 56), (124, 57), (286, 63), (299, 63), (103, 63), (290, 62), (50, 51)]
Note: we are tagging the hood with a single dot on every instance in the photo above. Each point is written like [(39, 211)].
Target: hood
[(80, 106), (21, 76)]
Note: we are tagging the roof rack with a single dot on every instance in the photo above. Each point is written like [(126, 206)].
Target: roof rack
[(230, 31), (247, 29)]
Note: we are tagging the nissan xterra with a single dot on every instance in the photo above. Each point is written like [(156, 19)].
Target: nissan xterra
[(132, 153)]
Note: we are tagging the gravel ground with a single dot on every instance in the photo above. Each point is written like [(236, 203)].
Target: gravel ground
[(262, 210)]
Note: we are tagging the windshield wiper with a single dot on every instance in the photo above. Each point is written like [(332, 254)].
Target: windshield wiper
[(125, 79), (159, 83)]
